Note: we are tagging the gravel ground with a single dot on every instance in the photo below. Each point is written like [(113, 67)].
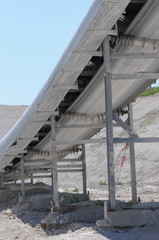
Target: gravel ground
[(25, 225)]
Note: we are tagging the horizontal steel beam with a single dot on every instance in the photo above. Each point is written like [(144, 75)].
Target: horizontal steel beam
[(37, 161), (137, 140), (77, 115), (79, 142), (135, 56), (50, 160), (41, 176), (27, 174), (69, 170), (16, 177), (70, 160), (33, 171), (101, 125), (9, 179), (69, 115), (44, 167), (103, 140), (47, 161), (50, 171), (143, 76), (82, 126), (13, 178), (70, 166)]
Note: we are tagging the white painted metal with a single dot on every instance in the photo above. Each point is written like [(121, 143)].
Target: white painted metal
[(84, 175), (109, 122), (54, 162), (127, 128), (99, 21), (132, 158), (22, 178), (102, 15)]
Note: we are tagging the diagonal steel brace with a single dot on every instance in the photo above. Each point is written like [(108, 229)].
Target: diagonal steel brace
[(123, 125)]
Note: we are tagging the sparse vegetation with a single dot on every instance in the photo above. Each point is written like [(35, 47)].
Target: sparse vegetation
[(149, 92), (102, 183), (75, 190)]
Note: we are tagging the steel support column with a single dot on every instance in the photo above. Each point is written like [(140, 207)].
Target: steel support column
[(54, 162), (109, 122), (31, 178), (84, 170), (52, 183), (2, 179), (22, 178), (132, 157)]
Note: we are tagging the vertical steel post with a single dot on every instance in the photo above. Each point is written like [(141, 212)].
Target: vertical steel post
[(52, 183), (22, 177), (31, 178), (54, 162), (109, 122), (2, 180), (84, 170), (132, 157)]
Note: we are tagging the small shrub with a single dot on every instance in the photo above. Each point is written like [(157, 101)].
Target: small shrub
[(75, 190), (102, 183)]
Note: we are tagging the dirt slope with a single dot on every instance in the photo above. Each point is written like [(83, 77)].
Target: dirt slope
[(146, 124), (146, 114), (8, 117)]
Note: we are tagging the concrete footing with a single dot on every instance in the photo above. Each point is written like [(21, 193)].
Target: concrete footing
[(126, 218)]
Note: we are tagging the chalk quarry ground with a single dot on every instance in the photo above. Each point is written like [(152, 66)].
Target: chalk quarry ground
[(26, 224)]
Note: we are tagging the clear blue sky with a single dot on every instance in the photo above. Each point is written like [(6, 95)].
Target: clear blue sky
[(33, 36)]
